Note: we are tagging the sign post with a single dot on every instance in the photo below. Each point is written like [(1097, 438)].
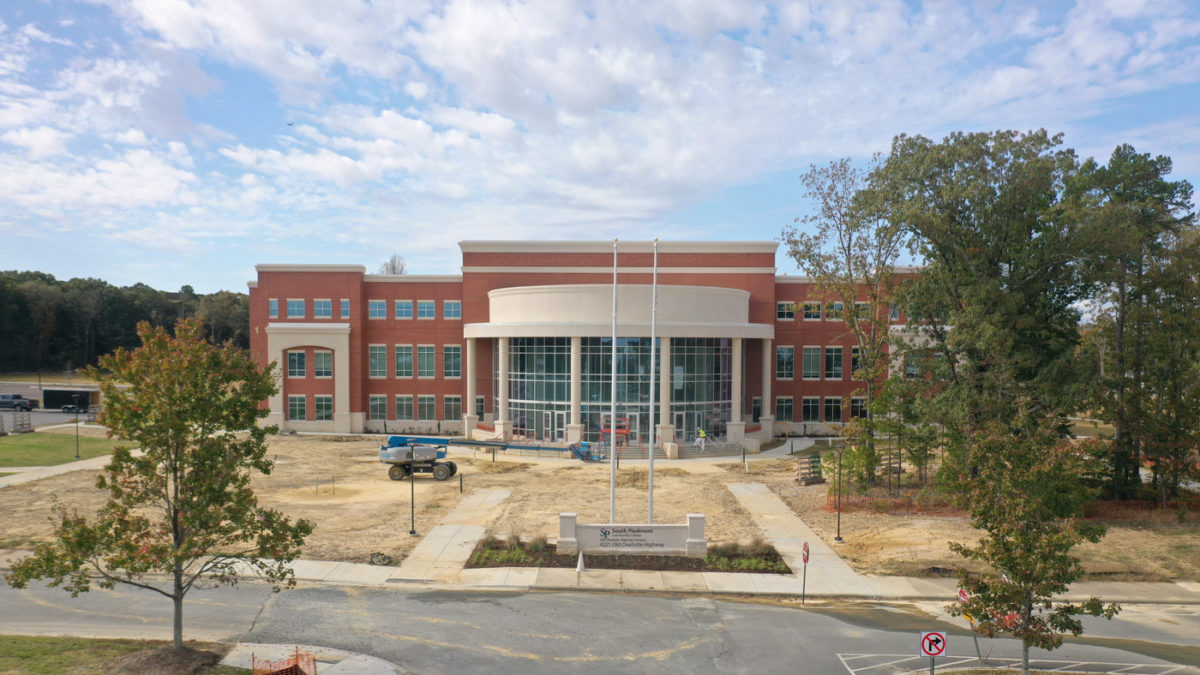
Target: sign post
[(963, 597), (933, 643), (804, 582)]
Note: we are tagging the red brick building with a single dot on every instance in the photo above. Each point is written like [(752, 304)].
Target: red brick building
[(533, 319)]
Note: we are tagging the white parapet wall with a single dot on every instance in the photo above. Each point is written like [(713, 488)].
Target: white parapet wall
[(641, 539)]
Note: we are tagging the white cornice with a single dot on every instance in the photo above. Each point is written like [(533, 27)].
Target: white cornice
[(795, 280), (311, 268), (411, 278), (308, 328), (623, 246), (621, 270)]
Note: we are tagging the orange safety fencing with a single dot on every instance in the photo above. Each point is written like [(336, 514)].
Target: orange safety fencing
[(300, 663)]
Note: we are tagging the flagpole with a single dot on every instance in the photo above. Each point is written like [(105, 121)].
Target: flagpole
[(612, 419), (653, 369)]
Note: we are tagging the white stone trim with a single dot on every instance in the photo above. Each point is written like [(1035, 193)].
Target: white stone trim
[(410, 278), (606, 246), (623, 270), (310, 268)]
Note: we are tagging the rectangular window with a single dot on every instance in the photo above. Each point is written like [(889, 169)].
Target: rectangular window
[(812, 363), (376, 309), (858, 408), (322, 364), (812, 311), (810, 409), (893, 313), (833, 409), (862, 310), (452, 361), (377, 407), (452, 309), (295, 309), (404, 309), (404, 367), (756, 409), (785, 363), (273, 308), (404, 409), (323, 407), (345, 308), (296, 407), (785, 311), (451, 408), (855, 361), (426, 309), (783, 409), (479, 406), (296, 365), (834, 312), (833, 363), (425, 361), (377, 361), (425, 408), (322, 309)]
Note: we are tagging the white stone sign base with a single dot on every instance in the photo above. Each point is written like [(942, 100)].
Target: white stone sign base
[(639, 539)]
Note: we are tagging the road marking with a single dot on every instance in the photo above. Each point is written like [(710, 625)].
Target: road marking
[(879, 664)]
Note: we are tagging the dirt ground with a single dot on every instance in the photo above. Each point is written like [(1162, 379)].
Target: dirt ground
[(341, 486)]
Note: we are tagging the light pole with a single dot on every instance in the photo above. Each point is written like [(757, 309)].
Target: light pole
[(412, 498), (76, 397), (838, 538)]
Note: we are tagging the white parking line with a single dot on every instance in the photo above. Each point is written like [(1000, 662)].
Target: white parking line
[(904, 663)]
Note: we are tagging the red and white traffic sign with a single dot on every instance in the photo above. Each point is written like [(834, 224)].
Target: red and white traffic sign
[(962, 596), (806, 553), (933, 643)]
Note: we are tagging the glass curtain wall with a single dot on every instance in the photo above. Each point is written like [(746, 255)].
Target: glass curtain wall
[(633, 387), (701, 385), (539, 380)]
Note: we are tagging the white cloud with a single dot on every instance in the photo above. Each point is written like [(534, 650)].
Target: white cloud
[(39, 142)]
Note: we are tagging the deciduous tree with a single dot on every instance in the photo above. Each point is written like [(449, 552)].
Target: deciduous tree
[(182, 508)]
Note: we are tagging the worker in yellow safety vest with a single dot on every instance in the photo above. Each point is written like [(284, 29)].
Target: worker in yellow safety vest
[(701, 439)]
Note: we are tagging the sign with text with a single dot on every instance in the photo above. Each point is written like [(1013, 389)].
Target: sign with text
[(649, 539)]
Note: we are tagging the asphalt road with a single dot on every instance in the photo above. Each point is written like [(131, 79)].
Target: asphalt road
[(474, 632)]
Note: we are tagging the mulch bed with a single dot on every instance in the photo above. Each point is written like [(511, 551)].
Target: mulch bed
[(653, 563)]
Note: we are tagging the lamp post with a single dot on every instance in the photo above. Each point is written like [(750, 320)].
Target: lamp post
[(412, 495), (838, 538), (76, 397)]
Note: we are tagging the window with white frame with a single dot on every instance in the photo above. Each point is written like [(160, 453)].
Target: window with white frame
[(833, 363), (785, 363), (404, 309), (404, 407), (377, 361), (323, 407), (297, 367), (296, 409), (812, 311), (404, 364), (425, 361), (452, 309), (855, 361), (812, 363), (858, 407), (810, 409), (834, 311), (295, 308), (273, 308), (376, 309), (785, 311), (322, 309), (426, 309), (345, 308), (425, 408), (783, 408), (377, 407), (452, 361), (893, 313), (479, 406), (833, 409), (322, 364), (756, 409), (451, 407)]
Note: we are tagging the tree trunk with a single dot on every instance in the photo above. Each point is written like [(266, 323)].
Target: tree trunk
[(177, 598), (1024, 659)]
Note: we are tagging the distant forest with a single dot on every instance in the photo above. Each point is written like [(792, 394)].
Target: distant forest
[(47, 324)]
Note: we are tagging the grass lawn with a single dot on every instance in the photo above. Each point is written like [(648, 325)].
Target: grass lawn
[(48, 449), (53, 655)]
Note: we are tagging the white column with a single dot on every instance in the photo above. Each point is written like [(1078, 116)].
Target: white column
[(470, 419), (575, 424), (504, 424), (768, 375), (735, 431)]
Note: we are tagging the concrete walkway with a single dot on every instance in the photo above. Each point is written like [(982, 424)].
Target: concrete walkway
[(442, 554)]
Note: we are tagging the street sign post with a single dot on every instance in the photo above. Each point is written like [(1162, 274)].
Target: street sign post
[(933, 643), (964, 597), (804, 582)]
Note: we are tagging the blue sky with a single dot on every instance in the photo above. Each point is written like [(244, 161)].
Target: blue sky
[(181, 142)]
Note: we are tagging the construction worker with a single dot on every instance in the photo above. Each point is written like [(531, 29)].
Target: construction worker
[(701, 439)]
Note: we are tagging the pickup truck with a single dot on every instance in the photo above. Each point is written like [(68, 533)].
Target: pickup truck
[(15, 402)]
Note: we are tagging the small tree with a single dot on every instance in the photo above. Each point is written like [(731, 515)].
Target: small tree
[(183, 508), (1026, 496), (394, 265)]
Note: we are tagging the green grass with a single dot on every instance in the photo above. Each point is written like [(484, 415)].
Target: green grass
[(54, 655), (49, 449)]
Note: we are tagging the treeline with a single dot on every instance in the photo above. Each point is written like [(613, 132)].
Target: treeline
[(48, 324)]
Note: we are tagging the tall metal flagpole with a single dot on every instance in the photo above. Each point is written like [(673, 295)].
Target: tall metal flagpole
[(612, 418), (653, 368)]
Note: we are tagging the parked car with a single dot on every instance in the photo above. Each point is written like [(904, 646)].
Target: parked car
[(15, 402), (72, 408)]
